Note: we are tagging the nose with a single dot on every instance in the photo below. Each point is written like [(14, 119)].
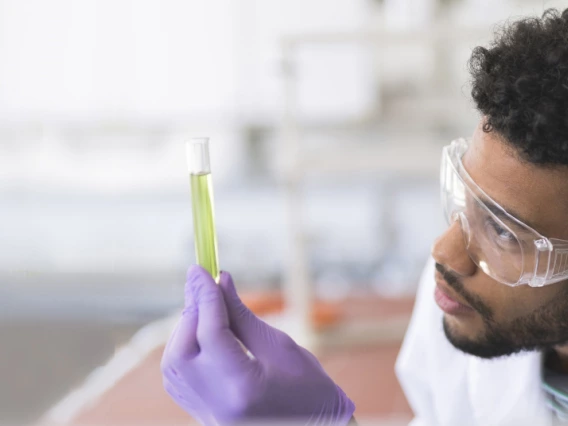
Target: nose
[(449, 250)]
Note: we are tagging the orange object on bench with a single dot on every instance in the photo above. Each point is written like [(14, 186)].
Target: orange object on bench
[(322, 315)]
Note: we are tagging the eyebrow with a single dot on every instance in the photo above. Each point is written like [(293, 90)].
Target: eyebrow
[(497, 211)]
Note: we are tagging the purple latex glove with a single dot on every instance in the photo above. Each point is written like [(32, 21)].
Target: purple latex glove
[(207, 372)]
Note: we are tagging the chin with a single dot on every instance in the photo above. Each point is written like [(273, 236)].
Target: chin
[(474, 342)]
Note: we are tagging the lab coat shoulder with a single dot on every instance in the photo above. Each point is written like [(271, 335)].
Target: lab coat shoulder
[(447, 387)]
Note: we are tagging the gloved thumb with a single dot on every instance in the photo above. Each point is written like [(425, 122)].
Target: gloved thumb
[(249, 329)]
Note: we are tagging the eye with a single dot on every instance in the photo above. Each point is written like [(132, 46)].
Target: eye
[(499, 234)]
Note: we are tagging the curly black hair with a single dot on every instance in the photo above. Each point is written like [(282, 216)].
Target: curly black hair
[(520, 86)]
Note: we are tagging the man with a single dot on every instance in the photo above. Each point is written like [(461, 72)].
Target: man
[(501, 287), (494, 350)]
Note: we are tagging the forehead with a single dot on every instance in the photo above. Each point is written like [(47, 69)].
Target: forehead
[(538, 194)]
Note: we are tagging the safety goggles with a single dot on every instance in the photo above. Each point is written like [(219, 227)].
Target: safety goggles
[(503, 247)]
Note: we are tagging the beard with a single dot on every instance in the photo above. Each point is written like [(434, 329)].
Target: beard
[(542, 329)]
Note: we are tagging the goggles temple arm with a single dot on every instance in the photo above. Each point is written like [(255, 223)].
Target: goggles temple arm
[(543, 255), (558, 261)]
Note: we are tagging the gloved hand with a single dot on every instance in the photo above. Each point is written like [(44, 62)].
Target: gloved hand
[(207, 372)]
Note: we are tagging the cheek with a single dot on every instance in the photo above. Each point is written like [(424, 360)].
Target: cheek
[(512, 303)]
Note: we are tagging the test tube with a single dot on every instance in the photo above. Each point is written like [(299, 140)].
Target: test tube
[(197, 151)]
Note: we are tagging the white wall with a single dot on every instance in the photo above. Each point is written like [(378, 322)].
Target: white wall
[(98, 57)]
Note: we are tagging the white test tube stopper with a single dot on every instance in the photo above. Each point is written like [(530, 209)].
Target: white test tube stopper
[(197, 152)]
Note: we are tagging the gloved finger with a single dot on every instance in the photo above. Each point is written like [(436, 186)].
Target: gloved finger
[(172, 335), (249, 329), (214, 336), (182, 345)]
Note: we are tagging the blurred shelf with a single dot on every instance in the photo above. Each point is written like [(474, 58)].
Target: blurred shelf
[(443, 32), (413, 160)]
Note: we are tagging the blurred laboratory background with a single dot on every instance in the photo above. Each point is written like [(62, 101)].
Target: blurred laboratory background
[(326, 121)]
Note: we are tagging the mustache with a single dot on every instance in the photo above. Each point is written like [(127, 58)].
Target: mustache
[(473, 300)]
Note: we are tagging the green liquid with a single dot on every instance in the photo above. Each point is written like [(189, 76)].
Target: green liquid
[(204, 223)]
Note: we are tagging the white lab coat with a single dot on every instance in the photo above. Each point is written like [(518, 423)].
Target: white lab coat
[(446, 387)]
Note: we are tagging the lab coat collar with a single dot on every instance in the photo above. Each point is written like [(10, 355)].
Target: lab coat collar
[(507, 390)]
